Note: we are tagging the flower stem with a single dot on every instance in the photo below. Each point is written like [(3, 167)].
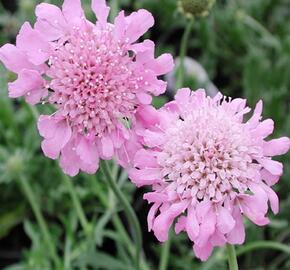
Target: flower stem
[(40, 219), (262, 245), (183, 51), (78, 207), (116, 220), (165, 255), (232, 258), (128, 210)]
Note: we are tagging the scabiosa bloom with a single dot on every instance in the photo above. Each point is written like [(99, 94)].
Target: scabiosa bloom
[(207, 168), (95, 75)]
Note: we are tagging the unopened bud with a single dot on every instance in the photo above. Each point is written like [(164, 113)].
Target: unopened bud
[(15, 165), (197, 8)]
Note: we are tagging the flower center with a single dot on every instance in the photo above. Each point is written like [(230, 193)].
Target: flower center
[(207, 155), (93, 80)]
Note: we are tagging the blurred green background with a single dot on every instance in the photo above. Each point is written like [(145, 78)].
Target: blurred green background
[(242, 48)]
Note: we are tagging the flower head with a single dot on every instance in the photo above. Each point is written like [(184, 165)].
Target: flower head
[(95, 76), (207, 168), (195, 7)]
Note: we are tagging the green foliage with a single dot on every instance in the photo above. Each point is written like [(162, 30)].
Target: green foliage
[(245, 48)]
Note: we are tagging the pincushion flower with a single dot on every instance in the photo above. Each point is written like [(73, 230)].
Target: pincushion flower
[(95, 76), (207, 168)]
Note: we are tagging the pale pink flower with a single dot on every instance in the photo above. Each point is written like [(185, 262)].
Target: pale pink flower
[(207, 167), (95, 76)]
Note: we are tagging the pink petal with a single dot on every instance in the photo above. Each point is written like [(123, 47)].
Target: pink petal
[(260, 197), (126, 152), (90, 168), (117, 137), (147, 115), (254, 120), (276, 147), (69, 160), (120, 25), (192, 226), (273, 166), (225, 221), (72, 9), (203, 252), (144, 51), (273, 198), (237, 104), (237, 235), (264, 129), (202, 209), (182, 96), (138, 23), (252, 208), (101, 10), (157, 87), (28, 81), (153, 139), (145, 176), (50, 21), (218, 239), (34, 97), (87, 151), (145, 159), (269, 178), (151, 215), (180, 224), (163, 64), (207, 228), (62, 134), (46, 126), (107, 147), (163, 222), (144, 98), (14, 59), (32, 43), (155, 197)]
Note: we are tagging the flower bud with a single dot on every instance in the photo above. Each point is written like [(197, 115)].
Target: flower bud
[(15, 164), (198, 8)]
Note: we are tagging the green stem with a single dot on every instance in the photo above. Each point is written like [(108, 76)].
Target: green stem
[(183, 52), (128, 210), (40, 219), (76, 202), (165, 255), (232, 258), (263, 245), (115, 218)]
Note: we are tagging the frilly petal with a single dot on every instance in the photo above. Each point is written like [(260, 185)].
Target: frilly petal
[(54, 141), (163, 222), (33, 44), (50, 21), (72, 10), (29, 84), (203, 252), (276, 146), (14, 59), (101, 10), (137, 24)]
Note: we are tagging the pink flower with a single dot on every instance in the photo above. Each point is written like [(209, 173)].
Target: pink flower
[(95, 75), (207, 168)]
